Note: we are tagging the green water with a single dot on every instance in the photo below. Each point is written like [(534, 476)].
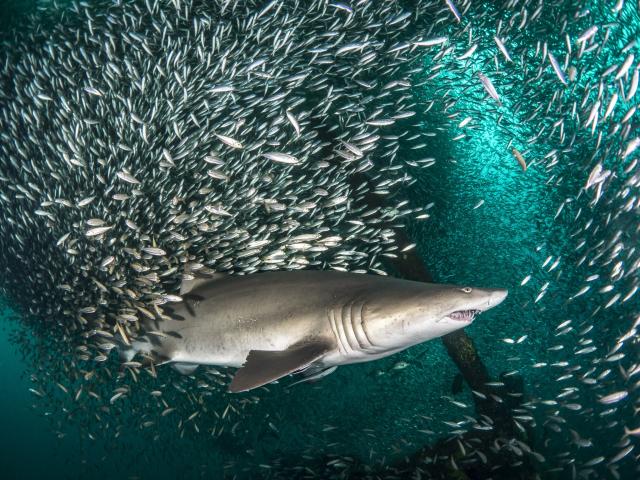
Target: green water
[(496, 244), (29, 448)]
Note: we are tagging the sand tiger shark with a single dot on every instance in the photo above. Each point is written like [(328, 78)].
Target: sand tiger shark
[(273, 324)]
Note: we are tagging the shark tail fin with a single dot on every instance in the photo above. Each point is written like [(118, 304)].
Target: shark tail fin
[(126, 353), (147, 351)]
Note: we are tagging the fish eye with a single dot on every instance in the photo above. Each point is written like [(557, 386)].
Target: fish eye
[(466, 289)]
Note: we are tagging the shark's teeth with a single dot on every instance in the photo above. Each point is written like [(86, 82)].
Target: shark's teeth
[(464, 315)]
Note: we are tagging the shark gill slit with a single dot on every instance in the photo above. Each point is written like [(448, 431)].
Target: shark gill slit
[(356, 325), (342, 335), (334, 328), (347, 326), (364, 329)]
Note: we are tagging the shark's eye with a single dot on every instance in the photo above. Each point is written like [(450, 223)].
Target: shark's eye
[(466, 289)]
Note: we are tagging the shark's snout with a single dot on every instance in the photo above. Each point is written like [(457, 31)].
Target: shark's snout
[(482, 300), (496, 297)]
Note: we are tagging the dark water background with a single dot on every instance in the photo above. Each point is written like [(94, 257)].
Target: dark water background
[(29, 449), (497, 244), (27, 444)]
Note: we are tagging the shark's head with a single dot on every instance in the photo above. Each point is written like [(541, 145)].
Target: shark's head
[(397, 318)]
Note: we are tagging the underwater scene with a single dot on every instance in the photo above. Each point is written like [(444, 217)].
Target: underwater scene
[(317, 239)]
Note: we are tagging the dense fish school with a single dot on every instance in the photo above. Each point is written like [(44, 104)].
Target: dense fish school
[(242, 136)]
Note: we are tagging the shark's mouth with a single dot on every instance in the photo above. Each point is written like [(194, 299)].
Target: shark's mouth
[(463, 315)]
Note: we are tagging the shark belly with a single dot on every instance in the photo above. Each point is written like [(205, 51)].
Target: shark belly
[(337, 358)]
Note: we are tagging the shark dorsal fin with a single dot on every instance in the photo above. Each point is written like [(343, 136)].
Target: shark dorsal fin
[(192, 280)]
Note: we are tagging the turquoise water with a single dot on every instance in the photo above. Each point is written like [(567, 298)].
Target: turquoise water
[(373, 413), (25, 431)]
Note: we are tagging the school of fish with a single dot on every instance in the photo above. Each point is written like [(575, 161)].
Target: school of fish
[(139, 136)]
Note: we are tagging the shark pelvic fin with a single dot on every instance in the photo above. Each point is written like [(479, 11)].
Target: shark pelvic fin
[(314, 375), (263, 366), (185, 368)]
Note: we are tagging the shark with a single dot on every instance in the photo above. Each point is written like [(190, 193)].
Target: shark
[(273, 324)]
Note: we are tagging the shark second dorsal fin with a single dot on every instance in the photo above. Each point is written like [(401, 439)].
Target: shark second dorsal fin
[(189, 283), (192, 280), (263, 366)]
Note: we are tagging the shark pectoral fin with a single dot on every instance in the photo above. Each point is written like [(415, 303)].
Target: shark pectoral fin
[(263, 366), (185, 368)]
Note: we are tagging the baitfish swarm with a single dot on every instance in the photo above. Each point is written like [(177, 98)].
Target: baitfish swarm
[(245, 136), (141, 136)]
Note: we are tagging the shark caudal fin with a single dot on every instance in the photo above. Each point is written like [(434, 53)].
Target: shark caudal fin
[(142, 346), (263, 366), (126, 353)]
